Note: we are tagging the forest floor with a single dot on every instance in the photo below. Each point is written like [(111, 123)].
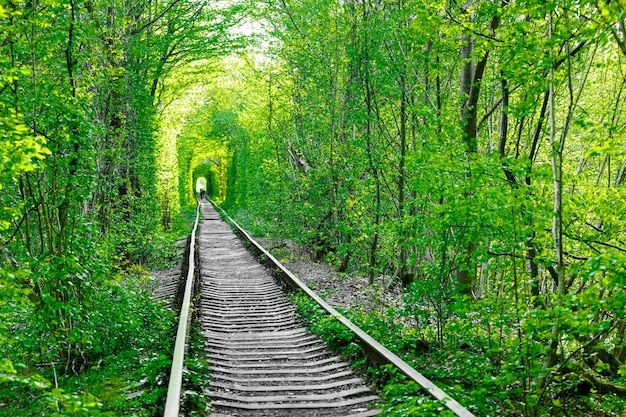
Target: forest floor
[(340, 290), (163, 283)]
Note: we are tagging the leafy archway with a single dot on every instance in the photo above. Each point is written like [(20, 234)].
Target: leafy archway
[(204, 177)]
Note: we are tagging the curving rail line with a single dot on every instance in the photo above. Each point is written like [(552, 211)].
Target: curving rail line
[(264, 363)]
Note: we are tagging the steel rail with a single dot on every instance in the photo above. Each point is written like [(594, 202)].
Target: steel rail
[(374, 349), (172, 403)]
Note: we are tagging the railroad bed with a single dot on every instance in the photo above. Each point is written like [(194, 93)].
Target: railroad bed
[(263, 361)]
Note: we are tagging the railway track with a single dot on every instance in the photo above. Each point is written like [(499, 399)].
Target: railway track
[(263, 361)]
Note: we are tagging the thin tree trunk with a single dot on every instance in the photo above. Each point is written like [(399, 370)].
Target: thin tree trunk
[(557, 227), (471, 79), (370, 152), (403, 255)]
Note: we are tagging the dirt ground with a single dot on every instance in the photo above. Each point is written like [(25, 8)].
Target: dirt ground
[(340, 290)]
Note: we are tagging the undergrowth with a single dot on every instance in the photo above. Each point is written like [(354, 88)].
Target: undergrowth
[(398, 396), (130, 356), (104, 350), (464, 370)]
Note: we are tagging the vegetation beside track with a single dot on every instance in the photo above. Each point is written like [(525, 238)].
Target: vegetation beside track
[(398, 395), (128, 352), (122, 342), (463, 367)]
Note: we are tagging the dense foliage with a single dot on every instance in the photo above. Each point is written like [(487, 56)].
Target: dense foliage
[(80, 90), (472, 153)]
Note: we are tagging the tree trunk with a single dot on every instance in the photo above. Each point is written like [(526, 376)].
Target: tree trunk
[(373, 249), (471, 79), (403, 274)]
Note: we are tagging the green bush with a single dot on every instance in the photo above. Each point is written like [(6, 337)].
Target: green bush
[(120, 337)]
